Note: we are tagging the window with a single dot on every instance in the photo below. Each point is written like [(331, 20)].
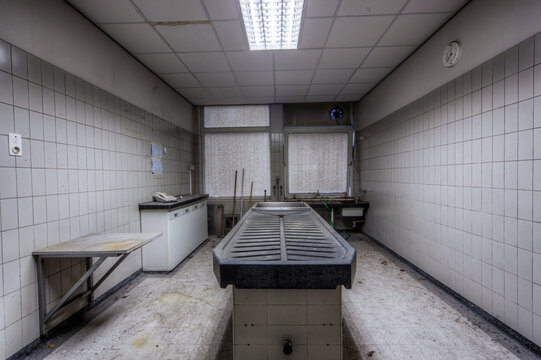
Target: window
[(236, 138), (318, 161), (236, 116)]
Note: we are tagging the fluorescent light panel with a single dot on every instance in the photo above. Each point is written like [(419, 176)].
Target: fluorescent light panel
[(272, 24)]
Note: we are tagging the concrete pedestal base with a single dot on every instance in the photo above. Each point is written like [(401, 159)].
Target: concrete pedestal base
[(263, 319)]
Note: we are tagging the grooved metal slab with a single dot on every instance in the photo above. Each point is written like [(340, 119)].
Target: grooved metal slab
[(284, 245)]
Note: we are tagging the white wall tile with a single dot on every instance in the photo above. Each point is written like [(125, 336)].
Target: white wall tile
[(6, 88), (9, 183), (526, 54), (19, 63), (496, 152), (525, 115), (8, 211), (525, 145)]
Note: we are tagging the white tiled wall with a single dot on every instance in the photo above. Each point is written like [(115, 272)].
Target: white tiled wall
[(454, 184), (84, 169), (310, 318)]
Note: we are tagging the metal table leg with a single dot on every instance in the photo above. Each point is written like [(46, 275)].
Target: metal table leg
[(42, 303), (44, 316)]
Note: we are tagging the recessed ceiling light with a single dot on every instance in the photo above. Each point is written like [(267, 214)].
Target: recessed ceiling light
[(272, 24)]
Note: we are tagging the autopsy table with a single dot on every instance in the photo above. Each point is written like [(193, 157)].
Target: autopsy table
[(99, 246), (287, 266)]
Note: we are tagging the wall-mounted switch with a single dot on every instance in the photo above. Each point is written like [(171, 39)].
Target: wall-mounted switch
[(15, 144)]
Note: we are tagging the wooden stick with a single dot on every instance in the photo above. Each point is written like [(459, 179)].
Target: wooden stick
[(251, 190), (234, 201)]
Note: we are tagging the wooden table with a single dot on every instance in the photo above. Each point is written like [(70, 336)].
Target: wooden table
[(102, 246)]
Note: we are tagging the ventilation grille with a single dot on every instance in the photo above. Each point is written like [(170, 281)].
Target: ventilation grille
[(259, 239), (305, 240), (285, 237)]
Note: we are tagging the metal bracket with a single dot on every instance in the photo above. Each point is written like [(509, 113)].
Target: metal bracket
[(45, 315)]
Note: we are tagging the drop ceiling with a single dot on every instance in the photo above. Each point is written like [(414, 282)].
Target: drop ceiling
[(200, 49)]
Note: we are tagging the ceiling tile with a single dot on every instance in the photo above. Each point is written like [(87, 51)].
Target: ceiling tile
[(358, 31), (370, 7), (253, 91), (195, 37), (320, 98), (332, 76), (425, 6), (171, 10), (348, 98), (193, 92), (222, 9), (205, 62), (412, 29), (355, 89), (320, 7), (342, 58), (289, 99), (325, 89), (257, 100), (291, 90), (370, 75), (225, 92), (216, 79), (231, 35), (136, 38), (293, 77), (162, 63), (203, 101), (251, 60), (250, 78), (180, 80), (314, 32), (387, 56), (296, 59), (108, 11)]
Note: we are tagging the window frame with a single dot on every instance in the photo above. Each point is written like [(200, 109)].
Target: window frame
[(229, 129), (348, 129)]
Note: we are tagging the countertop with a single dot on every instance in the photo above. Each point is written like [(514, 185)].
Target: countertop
[(186, 200), (332, 203)]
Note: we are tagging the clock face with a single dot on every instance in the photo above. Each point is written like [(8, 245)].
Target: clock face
[(336, 114), (452, 53)]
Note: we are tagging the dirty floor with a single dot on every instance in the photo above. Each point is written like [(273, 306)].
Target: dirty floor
[(388, 314)]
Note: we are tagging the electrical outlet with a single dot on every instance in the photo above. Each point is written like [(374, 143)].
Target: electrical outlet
[(15, 144)]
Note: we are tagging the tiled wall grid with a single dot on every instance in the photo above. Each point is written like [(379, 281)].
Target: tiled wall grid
[(311, 319), (84, 169), (455, 185)]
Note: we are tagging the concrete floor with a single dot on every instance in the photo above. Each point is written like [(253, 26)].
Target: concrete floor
[(388, 314)]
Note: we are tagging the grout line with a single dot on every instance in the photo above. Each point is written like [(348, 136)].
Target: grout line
[(322, 50), (166, 42)]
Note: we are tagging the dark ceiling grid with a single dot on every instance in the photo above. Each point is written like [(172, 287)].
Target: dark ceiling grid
[(348, 65), (221, 46), (172, 50), (372, 49), (322, 50)]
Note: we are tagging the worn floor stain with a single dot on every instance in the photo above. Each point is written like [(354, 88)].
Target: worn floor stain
[(391, 312)]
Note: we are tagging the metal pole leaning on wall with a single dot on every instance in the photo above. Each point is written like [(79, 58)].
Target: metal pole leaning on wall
[(234, 201), (241, 194)]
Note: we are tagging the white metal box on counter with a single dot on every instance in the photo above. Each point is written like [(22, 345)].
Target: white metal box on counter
[(184, 227)]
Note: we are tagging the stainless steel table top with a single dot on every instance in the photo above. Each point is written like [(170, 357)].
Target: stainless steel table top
[(104, 244)]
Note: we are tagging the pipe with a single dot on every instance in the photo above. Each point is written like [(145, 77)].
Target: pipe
[(234, 201), (241, 194), (251, 190), (222, 225)]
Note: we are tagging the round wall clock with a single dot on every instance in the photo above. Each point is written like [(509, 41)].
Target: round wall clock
[(452, 53), (336, 114)]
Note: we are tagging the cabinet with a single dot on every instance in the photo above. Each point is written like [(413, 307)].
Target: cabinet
[(184, 228)]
